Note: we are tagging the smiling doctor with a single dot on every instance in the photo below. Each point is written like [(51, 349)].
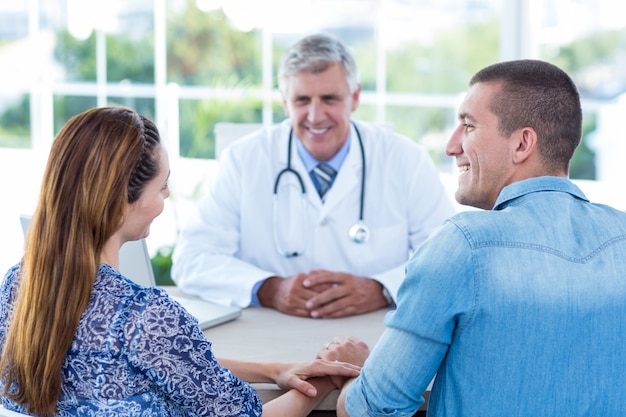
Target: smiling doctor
[(318, 215)]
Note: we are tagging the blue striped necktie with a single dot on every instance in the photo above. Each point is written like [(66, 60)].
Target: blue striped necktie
[(323, 175)]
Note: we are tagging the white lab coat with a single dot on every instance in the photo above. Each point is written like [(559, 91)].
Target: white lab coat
[(229, 244)]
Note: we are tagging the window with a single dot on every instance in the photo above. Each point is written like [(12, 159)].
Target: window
[(188, 64)]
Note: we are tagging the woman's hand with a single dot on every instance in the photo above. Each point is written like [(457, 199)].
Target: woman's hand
[(294, 376)]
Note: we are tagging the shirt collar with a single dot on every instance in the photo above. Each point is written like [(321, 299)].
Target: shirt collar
[(310, 162), (533, 185)]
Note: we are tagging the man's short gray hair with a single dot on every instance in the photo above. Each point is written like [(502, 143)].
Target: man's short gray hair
[(315, 54)]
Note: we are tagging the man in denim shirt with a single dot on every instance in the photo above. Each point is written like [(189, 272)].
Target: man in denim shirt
[(518, 309)]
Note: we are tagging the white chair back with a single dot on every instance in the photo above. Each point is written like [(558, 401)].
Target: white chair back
[(227, 133)]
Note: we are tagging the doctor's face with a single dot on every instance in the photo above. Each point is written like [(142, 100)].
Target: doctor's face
[(320, 106)]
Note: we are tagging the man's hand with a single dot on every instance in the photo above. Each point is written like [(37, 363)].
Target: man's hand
[(339, 294), (350, 350), (322, 294), (295, 376), (286, 295)]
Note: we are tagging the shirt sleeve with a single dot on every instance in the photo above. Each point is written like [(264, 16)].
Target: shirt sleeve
[(167, 345), (435, 302)]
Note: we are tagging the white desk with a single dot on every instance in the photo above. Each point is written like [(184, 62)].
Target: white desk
[(266, 335)]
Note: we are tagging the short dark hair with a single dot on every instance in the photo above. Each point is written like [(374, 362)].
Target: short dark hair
[(539, 95)]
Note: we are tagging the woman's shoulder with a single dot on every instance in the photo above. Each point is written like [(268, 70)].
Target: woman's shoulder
[(111, 287), (114, 284), (128, 300), (9, 278), (7, 295), (8, 285), (119, 308)]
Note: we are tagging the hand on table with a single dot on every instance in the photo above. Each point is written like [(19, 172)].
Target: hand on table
[(286, 295), (295, 376), (345, 350), (350, 350), (322, 294), (340, 294)]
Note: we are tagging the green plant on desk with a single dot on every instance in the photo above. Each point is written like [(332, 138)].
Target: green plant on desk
[(162, 265)]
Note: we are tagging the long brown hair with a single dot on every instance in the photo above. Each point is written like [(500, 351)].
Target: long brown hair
[(99, 162)]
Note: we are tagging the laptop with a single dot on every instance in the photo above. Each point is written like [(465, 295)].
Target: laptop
[(136, 265)]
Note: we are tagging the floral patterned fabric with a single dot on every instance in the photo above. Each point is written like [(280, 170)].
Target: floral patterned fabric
[(137, 352)]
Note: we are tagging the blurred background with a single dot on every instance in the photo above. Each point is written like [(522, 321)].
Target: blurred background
[(189, 64)]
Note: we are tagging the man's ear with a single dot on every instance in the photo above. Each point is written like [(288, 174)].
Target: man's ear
[(356, 94), (526, 144), (286, 108)]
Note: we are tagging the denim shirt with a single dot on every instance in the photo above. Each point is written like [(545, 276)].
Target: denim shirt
[(518, 311), (138, 353)]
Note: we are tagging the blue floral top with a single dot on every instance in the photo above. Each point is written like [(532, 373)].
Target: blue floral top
[(137, 352)]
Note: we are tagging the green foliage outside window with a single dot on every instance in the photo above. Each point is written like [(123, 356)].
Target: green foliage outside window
[(15, 125), (582, 165), (204, 50), (198, 118), (77, 57), (445, 66)]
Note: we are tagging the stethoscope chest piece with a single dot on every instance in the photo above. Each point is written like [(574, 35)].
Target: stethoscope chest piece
[(360, 233)]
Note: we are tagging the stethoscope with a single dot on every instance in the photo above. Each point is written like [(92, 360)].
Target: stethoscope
[(359, 233)]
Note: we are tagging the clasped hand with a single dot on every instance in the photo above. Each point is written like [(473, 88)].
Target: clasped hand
[(326, 294), (344, 350), (294, 376), (341, 359)]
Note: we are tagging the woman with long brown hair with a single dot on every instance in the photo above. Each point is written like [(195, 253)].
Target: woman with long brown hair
[(78, 338)]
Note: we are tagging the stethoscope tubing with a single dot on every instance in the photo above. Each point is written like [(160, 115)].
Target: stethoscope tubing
[(359, 232)]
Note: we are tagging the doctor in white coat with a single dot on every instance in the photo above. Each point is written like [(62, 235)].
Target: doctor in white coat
[(265, 236)]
